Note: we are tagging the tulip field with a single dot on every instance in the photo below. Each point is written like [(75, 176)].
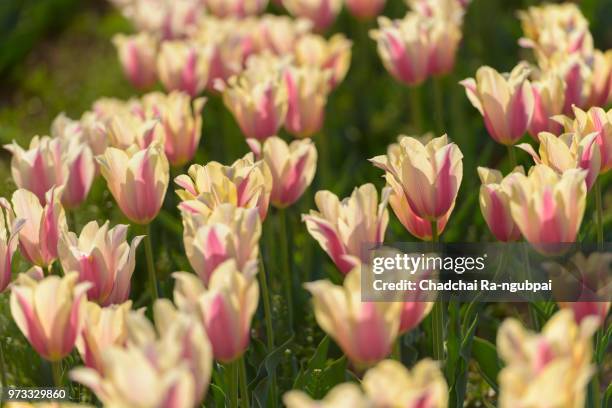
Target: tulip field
[(189, 188)]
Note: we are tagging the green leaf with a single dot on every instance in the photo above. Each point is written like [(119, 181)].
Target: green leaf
[(485, 354), (316, 362)]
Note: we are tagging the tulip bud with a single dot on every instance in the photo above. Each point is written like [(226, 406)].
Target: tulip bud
[(137, 54), (279, 34), (292, 167), (39, 236), (322, 13), (171, 361), (103, 328), (447, 10), (548, 100), (430, 174), (495, 193), (9, 229), (184, 66), (390, 384), (235, 8), (342, 228), (246, 183), (505, 102), (307, 90), (180, 122), (54, 162), (49, 312), (557, 359), (595, 120), (101, 257), (138, 179), (365, 331), (568, 151), (365, 9), (333, 55), (258, 97), (548, 207), (227, 307), (126, 128), (229, 232)]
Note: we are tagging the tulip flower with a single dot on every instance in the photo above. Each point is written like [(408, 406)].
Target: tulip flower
[(184, 66), (430, 174), (548, 101), (102, 329), (227, 307), (307, 90), (568, 151), (180, 122), (246, 183), (168, 365), (235, 8), (54, 162), (555, 30), (102, 257), (413, 313), (138, 180), (9, 230), (416, 47), (322, 13), (577, 76), (342, 228), (49, 312), (590, 276), (229, 232), (292, 167), (448, 10), (390, 384), (495, 194), (345, 395), (548, 207), (365, 9), (594, 120), (365, 331), (137, 54), (42, 226), (89, 130), (555, 363), (279, 34), (506, 102), (258, 97), (601, 79), (333, 55)]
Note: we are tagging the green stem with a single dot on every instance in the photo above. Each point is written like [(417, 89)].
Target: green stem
[(265, 293), (437, 313), (323, 162), (415, 106), (244, 391), (397, 349), (438, 105), (150, 263), (2, 367), (287, 278), (599, 211), (512, 156), (232, 383), (56, 369)]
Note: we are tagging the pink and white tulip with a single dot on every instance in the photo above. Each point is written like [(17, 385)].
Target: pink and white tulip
[(546, 206), (39, 237), (49, 312), (180, 123), (137, 179), (184, 66), (548, 101), (307, 90), (429, 174), (102, 257), (322, 13), (137, 55), (9, 229), (333, 55), (505, 101), (292, 167), (495, 194), (365, 331), (342, 228)]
